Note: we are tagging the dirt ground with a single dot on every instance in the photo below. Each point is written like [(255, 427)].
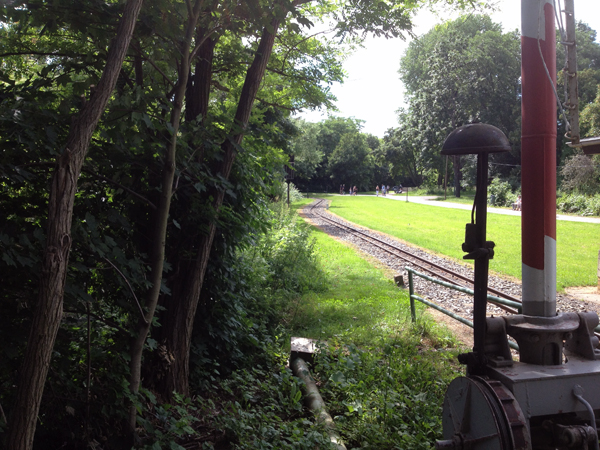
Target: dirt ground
[(587, 293)]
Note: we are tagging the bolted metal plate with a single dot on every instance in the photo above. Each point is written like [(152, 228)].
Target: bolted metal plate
[(468, 416), (475, 138), (482, 415)]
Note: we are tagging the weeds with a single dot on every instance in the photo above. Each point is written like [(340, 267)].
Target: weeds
[(382, 377), (385, 396)]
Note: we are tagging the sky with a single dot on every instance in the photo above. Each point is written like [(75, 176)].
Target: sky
[(373, 91)]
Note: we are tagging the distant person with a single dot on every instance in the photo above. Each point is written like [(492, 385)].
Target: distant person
[(383, 190), (377, 190), (355, 190), (517, 205)]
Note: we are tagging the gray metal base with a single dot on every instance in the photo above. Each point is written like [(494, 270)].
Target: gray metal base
[(548, 390)]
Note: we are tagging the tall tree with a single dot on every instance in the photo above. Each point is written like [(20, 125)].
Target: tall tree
[(48, 314), (462, 71), (403, 151), (363, 18), (305, 149), (350, 162)]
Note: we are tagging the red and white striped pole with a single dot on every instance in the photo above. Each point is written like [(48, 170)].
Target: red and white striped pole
[(538, 158)]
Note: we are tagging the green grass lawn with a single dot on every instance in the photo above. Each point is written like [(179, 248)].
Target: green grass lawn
[(442, 231), (360, 298), (382, 377)]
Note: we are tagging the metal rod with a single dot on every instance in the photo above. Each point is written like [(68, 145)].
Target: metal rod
[(454, 316), (481, 263), (538, 157), (411, 291), (315, 402), (462, 289), (570, 71)]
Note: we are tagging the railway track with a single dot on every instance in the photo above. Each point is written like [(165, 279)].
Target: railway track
[(420, 263), (397, 255)]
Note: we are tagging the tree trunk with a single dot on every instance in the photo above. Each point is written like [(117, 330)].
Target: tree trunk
[(198, 92), (456, 166), (48, 312), (179, 332), (161, 217)]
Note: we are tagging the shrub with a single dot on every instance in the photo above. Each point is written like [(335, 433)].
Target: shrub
[(502, 192), (430, 183), (385, 396), (249, 291), (295, 194), (284, 256), (576, 203), (580, 174)]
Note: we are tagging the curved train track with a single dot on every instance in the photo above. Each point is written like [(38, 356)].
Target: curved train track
[(397, 255)]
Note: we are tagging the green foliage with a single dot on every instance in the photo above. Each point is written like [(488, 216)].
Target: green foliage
[(580, 204), (350, 163), (402, 151), (501, 190), (335, 152), (163, 425), (55, 54), (248, 291), (430, 182), (295, 194), (385, 395), (461, 71), (581, 174), (264, 410), (329, 134), (590, 117), (307, 154), (284, 256)]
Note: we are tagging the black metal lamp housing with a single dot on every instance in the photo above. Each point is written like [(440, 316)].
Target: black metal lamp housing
[(477, 139)]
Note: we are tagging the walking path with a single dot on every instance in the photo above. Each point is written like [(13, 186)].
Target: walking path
[(426, 200)]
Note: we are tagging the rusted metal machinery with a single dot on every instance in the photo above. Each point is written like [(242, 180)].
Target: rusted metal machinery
[(550, 397), (547, 399)]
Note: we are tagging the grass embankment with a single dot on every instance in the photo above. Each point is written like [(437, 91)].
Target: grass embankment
[(383, 378), (442, 231)]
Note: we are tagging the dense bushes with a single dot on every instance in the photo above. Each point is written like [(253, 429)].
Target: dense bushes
[(238, 362), (247, 292), (580, 204), (247, 287), (386, 396), (570, 203), (284, 256), (501, 192)]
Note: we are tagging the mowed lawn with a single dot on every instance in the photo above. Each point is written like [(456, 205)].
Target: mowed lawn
[(442, 230)]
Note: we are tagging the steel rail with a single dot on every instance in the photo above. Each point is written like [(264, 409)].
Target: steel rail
[(402, 252), (490, 298), (454, 274)]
